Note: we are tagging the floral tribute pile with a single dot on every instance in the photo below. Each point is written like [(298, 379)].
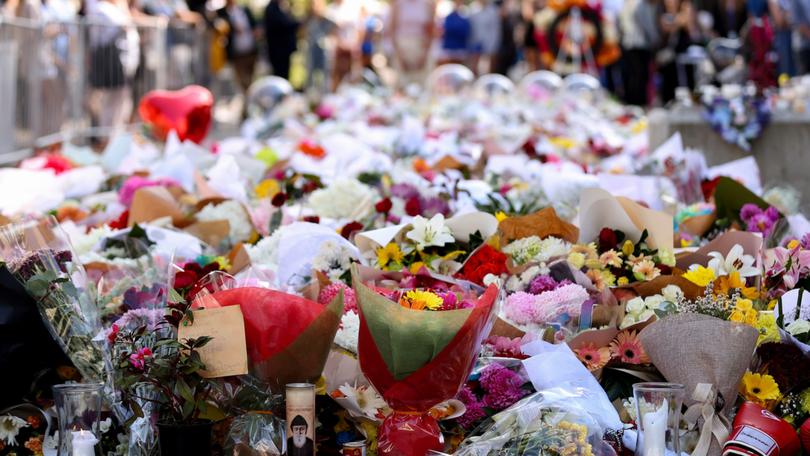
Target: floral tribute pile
[(429, 264)]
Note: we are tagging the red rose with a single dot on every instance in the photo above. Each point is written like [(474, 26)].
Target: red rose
[(184, 279), (383, 206), (607, 240), (708, 187), (413, 207), (113, 334), (121, 222), (487, 260), (279, 199), (350, 228), (309, 187)]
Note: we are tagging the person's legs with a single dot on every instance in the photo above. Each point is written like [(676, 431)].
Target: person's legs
[(244, 67), (281, 64), (636, 78)]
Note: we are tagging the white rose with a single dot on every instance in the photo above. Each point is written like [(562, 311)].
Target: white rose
[(672, 293), (627, 321), (653, 302), (635, 305), (646, 315)]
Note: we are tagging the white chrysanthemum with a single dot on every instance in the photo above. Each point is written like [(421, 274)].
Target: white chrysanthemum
[(333, 259), (10, 426), (534, 249), (83, 244), (265, 252), (344, 199), (240, 226), (349, 332)]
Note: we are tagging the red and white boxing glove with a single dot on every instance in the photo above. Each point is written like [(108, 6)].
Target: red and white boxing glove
[(758, 432)]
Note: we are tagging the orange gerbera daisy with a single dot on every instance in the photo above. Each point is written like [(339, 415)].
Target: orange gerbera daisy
[(627, 348), (592, 357)]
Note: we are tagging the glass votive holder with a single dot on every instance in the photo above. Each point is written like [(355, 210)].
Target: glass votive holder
[(78, 408), (658, 415)]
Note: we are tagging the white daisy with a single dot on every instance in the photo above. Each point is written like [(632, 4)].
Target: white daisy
[(364, 398)]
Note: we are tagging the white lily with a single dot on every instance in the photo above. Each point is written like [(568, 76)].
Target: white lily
[(431, 232), (736, 260), (10, 426)]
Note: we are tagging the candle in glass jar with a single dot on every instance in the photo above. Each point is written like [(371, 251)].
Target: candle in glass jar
[(84, 443), (300, 399), (654, 431)]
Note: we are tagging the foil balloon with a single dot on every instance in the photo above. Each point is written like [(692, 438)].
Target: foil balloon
[(540, 84), (265, 94), (450, 79), (581, 82), (492, 87), (186, 111)]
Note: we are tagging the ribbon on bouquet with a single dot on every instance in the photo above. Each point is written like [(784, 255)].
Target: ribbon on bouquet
[(714, 424)]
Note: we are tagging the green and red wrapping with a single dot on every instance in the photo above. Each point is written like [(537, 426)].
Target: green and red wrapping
[(415, 360)]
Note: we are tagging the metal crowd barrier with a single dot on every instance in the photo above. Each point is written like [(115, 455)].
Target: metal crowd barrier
[(63, 79)]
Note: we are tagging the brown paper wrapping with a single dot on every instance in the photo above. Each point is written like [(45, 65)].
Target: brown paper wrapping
[(698, 225), (212, 232), (239, 258), (447, 162), (502, 328), (151, 203), (693, 348), (543, 223)]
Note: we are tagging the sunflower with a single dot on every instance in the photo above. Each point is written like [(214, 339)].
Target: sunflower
[(593, 358), (421, 300), (391, 253), (627, 348), (759, 388)]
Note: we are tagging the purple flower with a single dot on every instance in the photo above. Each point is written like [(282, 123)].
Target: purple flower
[(806, 241), (542, 283), (404, 191), (475, 409), (432, 206), (135, 298), (757, 220), (748, 211), (503, 386)]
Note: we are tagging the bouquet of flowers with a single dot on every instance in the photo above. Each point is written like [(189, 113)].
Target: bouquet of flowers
[(40, 257), (417, 355), (739, 119)]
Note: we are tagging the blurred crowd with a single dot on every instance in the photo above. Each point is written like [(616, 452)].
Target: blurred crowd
[(642, 50)]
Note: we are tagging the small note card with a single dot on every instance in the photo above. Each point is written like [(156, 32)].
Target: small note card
[(226, 354)]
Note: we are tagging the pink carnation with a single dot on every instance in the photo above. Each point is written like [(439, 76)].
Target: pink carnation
[(521, 308), (475, 409), (524, 308), (330, 291), (503, 386)]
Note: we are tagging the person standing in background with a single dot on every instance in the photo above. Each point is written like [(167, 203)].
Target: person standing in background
[(679, 26), (640, 37), (318, 29), (729, 18), (530, 49), (486, 36), (783, 36), (281, 33), (241, 48), (411, 30), (455, 36), (507, 54), (800, 13), (346, 17)]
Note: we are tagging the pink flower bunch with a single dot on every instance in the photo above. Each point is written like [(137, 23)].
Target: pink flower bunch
[(452, 301), (505, 347), (543, 283), (503, 386), (330, 291), (133, 183), (525, 308), (138, 360), (757, 220), (785, 268)]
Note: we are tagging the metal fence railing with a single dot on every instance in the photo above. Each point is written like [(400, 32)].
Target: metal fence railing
[(60, 78)]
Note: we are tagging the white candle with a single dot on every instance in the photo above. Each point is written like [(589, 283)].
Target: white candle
[(84, 443), (654, 431)]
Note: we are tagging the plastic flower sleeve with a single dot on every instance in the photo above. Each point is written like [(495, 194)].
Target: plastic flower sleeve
[(415, 360), (288, 337), (40, 257)]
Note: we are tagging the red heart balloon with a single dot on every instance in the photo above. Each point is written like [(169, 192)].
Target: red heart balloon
[(186, 111)]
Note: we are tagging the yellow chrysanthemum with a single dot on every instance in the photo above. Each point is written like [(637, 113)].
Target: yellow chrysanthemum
[(628, 247), (415, 267), (576, 259), (501, 216), (759, 388), (223, 262), (772, 304), (267, 188), (622, 281), (421, 300), (391, 253), (700, 276)]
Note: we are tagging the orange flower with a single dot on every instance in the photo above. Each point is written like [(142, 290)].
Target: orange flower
[(312, 149), (73, 213), (34, 444), (593, 358), (34, 421), (627, 348), (420, 165)]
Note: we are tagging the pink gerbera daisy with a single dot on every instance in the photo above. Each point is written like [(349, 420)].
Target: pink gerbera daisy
[(627, 348), (592, 357)]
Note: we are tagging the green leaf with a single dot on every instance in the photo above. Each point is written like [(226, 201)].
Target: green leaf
[(174, 296), (184, 390), (275, 221)]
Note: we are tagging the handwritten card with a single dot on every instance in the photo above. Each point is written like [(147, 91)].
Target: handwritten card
[(226, 354)]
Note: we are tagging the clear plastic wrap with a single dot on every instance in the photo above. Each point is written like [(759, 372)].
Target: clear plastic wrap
[(256, 434), (546, 423)]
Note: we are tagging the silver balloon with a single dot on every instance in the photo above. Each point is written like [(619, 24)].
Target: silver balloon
[(450, 79), (581, 82), (540, 84), (493, 86), (265, 94)]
